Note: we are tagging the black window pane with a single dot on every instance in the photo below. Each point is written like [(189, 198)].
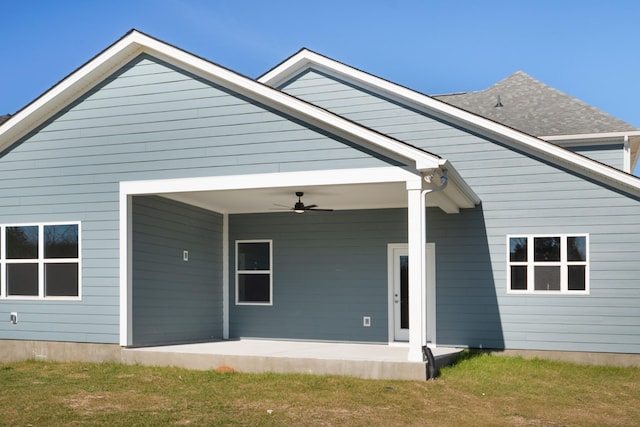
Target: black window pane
[(546, 248), (404, 292), (61, 280), (61, 241), (547, 278), (577, 248), (22, 279), (577, 278), (519, 278), (254, 288), (22, 242), (253, 256), (517, 249)]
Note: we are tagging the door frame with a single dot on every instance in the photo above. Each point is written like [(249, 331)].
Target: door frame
[(395, 250)]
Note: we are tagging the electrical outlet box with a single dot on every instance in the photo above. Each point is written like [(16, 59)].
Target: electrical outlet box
[(13, 317), (185, 255), (366, 321)]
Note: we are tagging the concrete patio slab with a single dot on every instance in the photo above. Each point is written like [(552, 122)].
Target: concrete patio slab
[(371, 361)]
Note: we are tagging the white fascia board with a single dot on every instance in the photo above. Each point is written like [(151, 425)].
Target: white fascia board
[(458, 191), (572, 161), (530, 144), (66, 91), (279, 74), (267, 180), (466, 197), (295, 107), (630, 141), (136, 43), (589, 138)]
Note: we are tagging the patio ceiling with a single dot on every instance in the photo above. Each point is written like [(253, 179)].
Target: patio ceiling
[(337, 197)]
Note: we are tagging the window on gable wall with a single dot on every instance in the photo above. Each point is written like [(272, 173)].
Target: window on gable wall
[(548, 264), (40, 261)]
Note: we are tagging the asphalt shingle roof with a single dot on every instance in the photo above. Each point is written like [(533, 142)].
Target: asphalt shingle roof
[(524, 103)]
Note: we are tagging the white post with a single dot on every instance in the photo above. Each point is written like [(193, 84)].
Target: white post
[(225, 276), (417, 257), (126, 280)]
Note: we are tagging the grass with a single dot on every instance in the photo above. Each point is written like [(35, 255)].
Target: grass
[(478, 390)]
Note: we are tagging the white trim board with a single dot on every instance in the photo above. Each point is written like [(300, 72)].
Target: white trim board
[(182, 185), (135, 43), (269, 180), (534, 146)]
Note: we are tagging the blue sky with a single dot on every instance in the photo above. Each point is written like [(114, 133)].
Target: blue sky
[(588, 49)]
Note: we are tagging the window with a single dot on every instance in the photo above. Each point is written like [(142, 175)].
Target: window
[(253, 272), (548, 264), (40, 261)]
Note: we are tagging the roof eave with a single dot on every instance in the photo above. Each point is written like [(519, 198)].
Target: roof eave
[(630, 137), (135, 43), (68, 89), (530, 144)]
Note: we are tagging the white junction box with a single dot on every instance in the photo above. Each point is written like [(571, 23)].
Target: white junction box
[(366, 321), (13, 317)]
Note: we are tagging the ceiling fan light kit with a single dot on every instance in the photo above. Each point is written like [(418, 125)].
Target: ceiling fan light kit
[(300, 207)]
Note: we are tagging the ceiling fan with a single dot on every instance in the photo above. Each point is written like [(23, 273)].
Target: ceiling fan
[(300, 207)]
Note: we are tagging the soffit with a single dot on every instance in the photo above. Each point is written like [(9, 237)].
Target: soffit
[(338, 197)]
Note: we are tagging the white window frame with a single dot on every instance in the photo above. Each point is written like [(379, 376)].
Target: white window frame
[(564, 264), (41, 261), (264, 272)]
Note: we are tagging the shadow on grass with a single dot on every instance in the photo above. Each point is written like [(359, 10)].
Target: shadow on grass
[(466, 356)]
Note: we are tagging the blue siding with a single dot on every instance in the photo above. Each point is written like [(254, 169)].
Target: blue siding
[(329, 270), (609, 154), (175, 300), (520, 195), (147, 121)]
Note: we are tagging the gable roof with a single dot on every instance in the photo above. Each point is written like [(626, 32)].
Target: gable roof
[(306, 59), (135, 43)]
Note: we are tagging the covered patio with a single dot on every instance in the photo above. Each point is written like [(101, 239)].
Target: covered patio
[(366, 190), (370, 361)]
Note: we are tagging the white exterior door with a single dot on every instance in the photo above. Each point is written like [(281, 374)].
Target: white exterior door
[(399, 292)]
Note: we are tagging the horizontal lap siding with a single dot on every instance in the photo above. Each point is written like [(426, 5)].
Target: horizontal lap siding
[(609, 154), (175, 300), (520, 195), (148, 121), (329, 270)]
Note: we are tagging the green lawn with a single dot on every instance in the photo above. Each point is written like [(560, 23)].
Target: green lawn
[(479, 390)]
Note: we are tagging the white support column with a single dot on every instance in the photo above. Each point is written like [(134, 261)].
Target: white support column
[(126, 292), (417, 276), (225, 276)]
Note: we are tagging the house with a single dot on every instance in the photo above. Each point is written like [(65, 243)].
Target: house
[(152, 197)]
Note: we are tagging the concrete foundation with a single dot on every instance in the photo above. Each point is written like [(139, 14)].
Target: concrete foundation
[(253, 356), (18, 350), (368, 361), (580, 357)]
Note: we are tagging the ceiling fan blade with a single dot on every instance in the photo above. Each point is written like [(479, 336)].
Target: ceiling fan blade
[(299, 207)]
